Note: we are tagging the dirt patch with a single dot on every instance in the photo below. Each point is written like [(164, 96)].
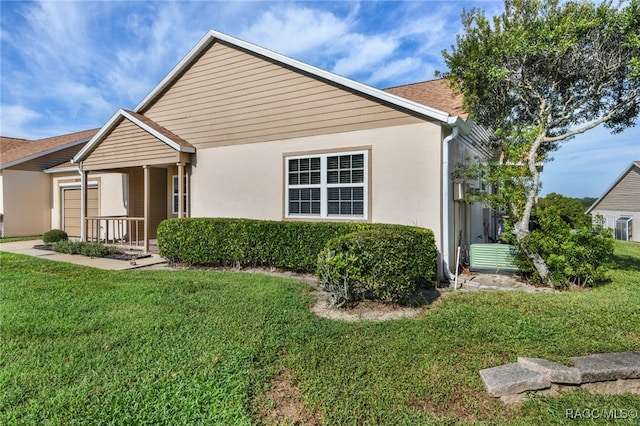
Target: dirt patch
[(282, 404), (368, 310), (469, 407)]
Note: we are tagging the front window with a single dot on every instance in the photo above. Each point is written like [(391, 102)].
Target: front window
[(327, 185), (175, 196)]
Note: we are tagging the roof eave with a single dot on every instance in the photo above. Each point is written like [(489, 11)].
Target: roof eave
[(43, 153), (615, 182), (62, 170)]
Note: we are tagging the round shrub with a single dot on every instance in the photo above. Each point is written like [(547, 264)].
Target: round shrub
[(386, 264), (54, 235)]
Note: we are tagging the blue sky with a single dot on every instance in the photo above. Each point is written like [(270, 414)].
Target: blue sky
[(69, 65)]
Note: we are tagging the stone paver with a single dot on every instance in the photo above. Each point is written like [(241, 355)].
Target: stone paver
[(511, 379), (557, 372), (604, 367), (612, 374), (26, 248)]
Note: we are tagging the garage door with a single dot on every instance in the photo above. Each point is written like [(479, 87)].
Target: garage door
[(71, 209)]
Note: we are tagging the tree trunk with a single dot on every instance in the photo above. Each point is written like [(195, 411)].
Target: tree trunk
[(521, 228)]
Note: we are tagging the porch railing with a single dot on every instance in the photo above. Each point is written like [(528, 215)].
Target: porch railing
[(118, 230)]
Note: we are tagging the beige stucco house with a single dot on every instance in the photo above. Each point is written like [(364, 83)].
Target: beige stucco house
[(619, 206), (27, 199), (236, 130)]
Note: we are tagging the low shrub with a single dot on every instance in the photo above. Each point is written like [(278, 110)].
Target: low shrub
[(574, 257), (387, 264), (251, 243), (54, 235), (93, 249)]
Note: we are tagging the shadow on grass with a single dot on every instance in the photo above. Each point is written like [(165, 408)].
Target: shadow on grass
[(625, 262)]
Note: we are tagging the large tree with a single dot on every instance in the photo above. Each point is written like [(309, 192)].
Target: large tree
[(539, 74)]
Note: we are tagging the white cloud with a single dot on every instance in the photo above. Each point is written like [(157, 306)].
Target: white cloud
[(14, 120), (292, 30), (364, 53), (399, 69)]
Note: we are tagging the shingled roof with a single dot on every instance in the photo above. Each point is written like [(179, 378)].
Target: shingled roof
[(433, 93), (14, 151)]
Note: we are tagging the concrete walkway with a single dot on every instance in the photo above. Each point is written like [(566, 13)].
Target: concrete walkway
[(26, 248)]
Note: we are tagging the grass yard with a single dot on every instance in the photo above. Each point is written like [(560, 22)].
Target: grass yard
[(86, 346)]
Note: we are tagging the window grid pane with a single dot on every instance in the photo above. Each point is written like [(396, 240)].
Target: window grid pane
[(304, 171), (341, 190)]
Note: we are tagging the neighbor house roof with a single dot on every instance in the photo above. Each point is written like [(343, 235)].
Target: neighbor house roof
[(144, 123), (435, 93), (428, 111), (634, 164), (15, 151)]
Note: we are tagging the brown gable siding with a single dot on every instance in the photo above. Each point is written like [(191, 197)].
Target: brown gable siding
[(129, 146), (232, 97), (625, 195)]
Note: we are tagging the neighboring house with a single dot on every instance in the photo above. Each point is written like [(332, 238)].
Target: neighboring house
[(25, 191), (236, 130), (619, 205)]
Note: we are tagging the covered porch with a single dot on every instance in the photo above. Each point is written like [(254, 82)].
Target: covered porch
[(155, 168)]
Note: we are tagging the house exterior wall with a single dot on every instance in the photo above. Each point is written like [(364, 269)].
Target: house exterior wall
[(229, 96), (247, 181), (26, 201), (624, 195), (468, 222), (622, 200), (610, 217), (141, 148), (112, 190)]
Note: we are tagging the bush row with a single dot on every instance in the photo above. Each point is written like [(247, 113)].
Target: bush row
[(382, 264), (252, 243), (93, 249)]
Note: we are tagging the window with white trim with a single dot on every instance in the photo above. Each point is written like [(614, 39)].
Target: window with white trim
[(327, 185), (175, 195)]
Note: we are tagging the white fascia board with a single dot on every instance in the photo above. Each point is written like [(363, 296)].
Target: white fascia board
[(615, 182), (158, 135), (212, 35), (42, 153), (63, 169), (97, 137)]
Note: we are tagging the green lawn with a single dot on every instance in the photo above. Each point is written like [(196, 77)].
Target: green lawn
[(85, 346)]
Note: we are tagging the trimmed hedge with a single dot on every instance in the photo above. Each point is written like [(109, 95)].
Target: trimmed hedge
[(382, 264), (54, 235), (93, 249), (251, 243)]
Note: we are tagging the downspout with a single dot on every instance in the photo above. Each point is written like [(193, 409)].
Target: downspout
[(445, 201)]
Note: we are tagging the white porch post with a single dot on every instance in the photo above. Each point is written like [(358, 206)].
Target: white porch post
[(180, 189), (147, 205), (83, 204)]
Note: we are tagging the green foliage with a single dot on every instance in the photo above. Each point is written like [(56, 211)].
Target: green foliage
[(570, 210), (54, 235), (541, 73), (382, 264), (580, 257), (550, 64), (250, 243), (92, 249)]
